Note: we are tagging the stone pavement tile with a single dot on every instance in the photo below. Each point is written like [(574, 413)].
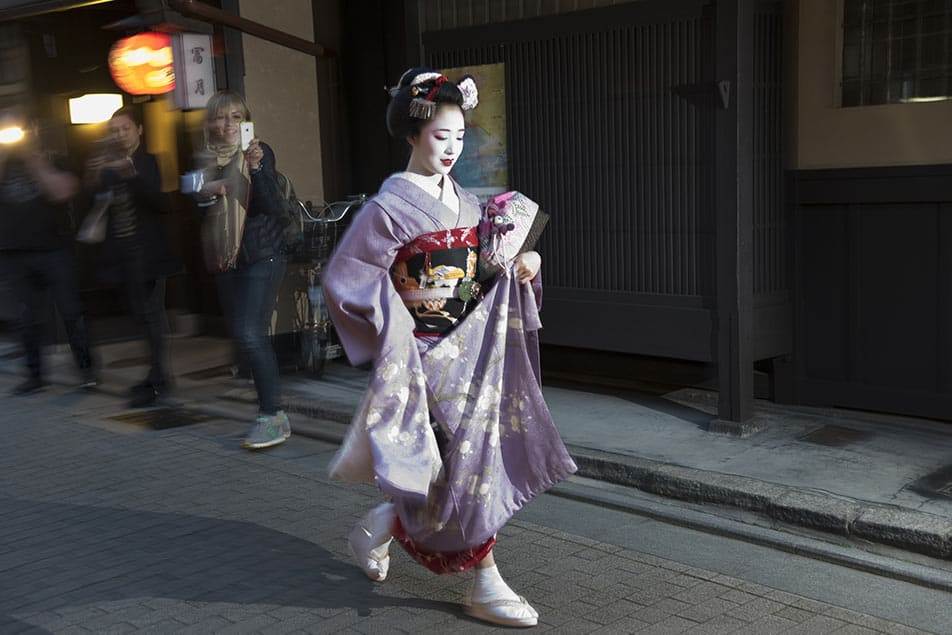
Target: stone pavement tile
[(165, 626), (672, 624), (701, 592), (574, 627), (794, 614), (755, 610), (902, 629), (623, 627), (650, 615), (687, 581), (610, 595), (770, 625), (707, 610), (672, 606), (806, 604), (611, 613), (855, 629), (816, 625), (858, 619), (736, 596), (703, 574), (719, 625)]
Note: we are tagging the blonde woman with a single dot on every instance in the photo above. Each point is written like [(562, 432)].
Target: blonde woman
[(242, 184)]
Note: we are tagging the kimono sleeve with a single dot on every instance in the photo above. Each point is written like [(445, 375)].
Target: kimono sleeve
[(369, 316)]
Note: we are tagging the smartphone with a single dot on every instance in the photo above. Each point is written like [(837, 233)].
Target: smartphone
[(247, 134)]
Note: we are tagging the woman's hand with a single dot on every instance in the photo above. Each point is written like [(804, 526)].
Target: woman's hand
[(527, 266), (254, 154), (210, 190)]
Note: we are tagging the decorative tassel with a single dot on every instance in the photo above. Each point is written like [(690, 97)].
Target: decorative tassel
[(422, 109)]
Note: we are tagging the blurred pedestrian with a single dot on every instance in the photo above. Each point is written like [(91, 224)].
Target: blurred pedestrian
[(36, 248), (135, 251), (243, 234)]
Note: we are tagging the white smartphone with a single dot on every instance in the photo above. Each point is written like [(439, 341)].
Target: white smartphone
[(247, 134)]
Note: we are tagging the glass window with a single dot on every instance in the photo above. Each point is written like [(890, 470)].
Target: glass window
[(896, 51)]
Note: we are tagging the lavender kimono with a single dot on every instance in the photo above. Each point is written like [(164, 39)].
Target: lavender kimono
[(479, 383)]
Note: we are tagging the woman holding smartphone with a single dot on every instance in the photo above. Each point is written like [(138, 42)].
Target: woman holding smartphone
[(241, 183)]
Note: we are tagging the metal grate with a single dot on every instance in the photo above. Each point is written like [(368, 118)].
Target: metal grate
[(896, 51), (836, 436), (937, 484), (163, 418)]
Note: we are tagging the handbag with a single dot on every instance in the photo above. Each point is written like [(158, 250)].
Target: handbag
[(93, 228), (512, 224)]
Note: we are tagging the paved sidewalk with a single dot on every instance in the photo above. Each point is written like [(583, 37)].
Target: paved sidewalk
[(112, 527), (877, 478)]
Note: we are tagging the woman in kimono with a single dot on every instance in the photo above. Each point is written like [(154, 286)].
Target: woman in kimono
[(453, 428)]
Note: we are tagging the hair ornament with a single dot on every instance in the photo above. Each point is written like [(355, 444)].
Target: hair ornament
[(423, 105), (470, 93)]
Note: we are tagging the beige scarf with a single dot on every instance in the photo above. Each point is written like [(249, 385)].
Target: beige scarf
[(224, 223)]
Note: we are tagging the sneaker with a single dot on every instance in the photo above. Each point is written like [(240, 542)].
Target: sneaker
[(89, 379), (146, 394), (29, 386), (268, 430)]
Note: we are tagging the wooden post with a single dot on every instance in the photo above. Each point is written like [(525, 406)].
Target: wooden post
[(734, 50)]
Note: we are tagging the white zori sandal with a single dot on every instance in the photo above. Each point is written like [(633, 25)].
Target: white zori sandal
[(369, 541), (503, 612)]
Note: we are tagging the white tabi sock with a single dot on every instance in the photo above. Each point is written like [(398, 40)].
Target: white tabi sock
[(381, 521), (488, 586)]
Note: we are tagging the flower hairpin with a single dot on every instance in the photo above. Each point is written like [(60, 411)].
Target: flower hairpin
[(467, 87)]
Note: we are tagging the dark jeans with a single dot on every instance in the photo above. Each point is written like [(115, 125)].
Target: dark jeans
[(32, 274), (147, 303), (248, 296)]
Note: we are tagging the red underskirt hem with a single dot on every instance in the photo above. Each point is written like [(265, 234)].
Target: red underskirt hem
[(440, 563)]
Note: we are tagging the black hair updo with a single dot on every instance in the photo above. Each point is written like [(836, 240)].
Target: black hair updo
[(400, 123)]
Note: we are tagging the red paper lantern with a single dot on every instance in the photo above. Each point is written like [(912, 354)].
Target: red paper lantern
[(142, 64)]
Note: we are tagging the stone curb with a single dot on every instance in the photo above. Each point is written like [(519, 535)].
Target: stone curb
[(904, 528)]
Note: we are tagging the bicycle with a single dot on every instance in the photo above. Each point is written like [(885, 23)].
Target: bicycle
[(321, 233)]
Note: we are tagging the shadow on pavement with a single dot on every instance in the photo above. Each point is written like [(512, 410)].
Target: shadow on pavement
[(92, 555)]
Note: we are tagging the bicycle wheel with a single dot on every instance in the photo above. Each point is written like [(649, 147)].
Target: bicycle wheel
[(315, 336), (312, 351)]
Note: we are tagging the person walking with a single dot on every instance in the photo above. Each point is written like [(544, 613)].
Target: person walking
[(453, 428), (243, 230), (135, 251), (36, 251)]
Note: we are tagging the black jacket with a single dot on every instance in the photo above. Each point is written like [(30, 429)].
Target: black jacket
[(149, 240), (267, 214), (27, 219)]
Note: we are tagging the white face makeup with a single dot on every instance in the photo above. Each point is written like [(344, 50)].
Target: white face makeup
[(440, 143)]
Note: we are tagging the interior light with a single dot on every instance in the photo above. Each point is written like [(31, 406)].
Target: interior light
[(925, 100), (11, 134), (94, 108)]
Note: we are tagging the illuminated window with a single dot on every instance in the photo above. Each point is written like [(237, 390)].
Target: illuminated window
[(94, 108)]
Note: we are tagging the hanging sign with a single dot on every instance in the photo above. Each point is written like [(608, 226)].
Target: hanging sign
[(194, 70)]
